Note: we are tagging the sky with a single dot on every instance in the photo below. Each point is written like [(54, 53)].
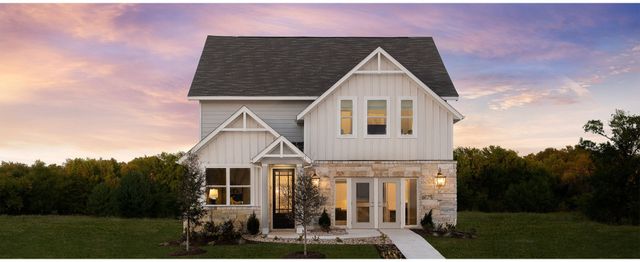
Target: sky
[(111, 81)]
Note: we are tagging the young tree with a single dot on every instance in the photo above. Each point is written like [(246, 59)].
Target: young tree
[(307, 202), (191, 190)]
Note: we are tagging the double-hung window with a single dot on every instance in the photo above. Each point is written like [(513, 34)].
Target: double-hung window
[(407, 117), (377, 113), (228, 186), (346, 117)]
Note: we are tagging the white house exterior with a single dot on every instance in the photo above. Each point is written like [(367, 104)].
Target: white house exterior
[(376, 129)]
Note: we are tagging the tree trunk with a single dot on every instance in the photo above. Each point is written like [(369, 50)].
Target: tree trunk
[(304, 228), (188, 230)]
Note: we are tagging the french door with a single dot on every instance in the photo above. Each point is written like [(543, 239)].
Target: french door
[(362, 203), (389, 203)]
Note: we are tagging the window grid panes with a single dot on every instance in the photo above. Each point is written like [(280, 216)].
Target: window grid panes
[(346, 117), (377, 117), (406, 117), (228, 186)]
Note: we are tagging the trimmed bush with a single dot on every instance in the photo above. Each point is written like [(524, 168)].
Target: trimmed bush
[(253, 224), (324, 221), (427, 221)]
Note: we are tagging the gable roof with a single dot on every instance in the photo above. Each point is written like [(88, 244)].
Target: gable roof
[(281, 142), (243, 112), (381, 52), (306, 66)]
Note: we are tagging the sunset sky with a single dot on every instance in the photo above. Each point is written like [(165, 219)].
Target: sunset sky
[(111, 80)]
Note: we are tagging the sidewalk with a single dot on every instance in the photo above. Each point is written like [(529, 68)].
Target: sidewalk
[(411, 244)]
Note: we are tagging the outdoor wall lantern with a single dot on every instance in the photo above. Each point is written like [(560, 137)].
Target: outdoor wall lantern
[(315, 179), (441, 180)]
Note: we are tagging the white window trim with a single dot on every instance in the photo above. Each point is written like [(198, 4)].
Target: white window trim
[(354, 117), (399, 120), (366, 116), (228, 185)]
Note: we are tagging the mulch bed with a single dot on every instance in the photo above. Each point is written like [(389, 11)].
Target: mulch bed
[(389, 251), (192, 251), (450, 233), (300, 254)]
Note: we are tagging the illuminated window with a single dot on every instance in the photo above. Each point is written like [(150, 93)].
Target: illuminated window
[(228, 186), (407, 117), (341, 202), (377, 111), (346, 118)]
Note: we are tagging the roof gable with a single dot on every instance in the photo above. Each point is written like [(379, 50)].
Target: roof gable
[(379, 56), (243, 120), (305, 66), (281, 148)]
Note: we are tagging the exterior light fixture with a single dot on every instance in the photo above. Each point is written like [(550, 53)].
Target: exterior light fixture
[(315, 179), (441, 180)]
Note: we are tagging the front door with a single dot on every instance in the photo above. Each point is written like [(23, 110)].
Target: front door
[(283, 198), (389, 203), (363, 203)]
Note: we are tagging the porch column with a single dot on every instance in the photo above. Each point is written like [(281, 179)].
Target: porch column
[(299, 172), (264, 198)]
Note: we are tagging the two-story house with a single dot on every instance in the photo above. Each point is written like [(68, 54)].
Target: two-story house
[(368, 117)]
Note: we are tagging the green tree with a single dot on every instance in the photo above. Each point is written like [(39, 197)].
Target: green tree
[(615, 182), (191, 191), (134, 195)]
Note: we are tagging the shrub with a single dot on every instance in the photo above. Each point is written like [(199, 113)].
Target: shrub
[(253, 224), (101, 201), (324, 221), (427, 221), (228, 232)]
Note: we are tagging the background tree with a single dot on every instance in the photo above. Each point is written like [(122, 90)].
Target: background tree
[(616, 192), (307, 202), (191, 191)]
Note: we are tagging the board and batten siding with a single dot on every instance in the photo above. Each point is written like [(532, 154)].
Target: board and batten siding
[(234, 148), (280, 115), (434, 127)]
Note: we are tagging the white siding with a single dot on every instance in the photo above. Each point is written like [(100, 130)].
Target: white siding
[(234, 148), (433, 141), (280, 115)]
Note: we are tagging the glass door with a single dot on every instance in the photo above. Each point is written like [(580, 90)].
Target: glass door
[(362, 203), (283, 198), (389, 203)]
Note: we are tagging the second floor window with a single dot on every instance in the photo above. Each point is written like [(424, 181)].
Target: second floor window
[(346, 117), (376, 116), (407, 117)]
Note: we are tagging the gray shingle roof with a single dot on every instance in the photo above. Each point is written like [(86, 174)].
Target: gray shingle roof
[(305, 66)]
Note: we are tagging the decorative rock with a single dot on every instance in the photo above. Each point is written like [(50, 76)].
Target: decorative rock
[(212, 243)]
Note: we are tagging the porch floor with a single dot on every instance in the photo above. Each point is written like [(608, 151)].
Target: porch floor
[(351, 233)]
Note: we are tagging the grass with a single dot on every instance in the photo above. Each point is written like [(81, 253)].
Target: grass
[(90, 237), (528, 235)]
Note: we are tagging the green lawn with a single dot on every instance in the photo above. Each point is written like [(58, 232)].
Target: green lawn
[(527, 235), (88, 237)]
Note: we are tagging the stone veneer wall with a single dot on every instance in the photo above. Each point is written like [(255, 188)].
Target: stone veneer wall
[(238, 215), (442, 201)]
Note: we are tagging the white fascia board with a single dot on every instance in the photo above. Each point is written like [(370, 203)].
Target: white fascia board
[(447, 98), (194, 98), (446, 105), (379, 50), (344, 78), (281, 141), (228, 121)]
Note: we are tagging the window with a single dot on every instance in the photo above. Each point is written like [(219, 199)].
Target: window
[(228, 186), (407, 118), (377, 111), (341, 203), (346, 117)]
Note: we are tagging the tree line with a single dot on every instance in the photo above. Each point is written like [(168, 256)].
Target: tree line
[(601, 180), (143, 187)]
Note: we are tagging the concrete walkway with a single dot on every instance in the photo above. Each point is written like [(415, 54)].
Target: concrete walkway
[(411, 244)]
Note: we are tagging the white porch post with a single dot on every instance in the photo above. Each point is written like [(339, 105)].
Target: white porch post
[(264, 198), (299, 172)]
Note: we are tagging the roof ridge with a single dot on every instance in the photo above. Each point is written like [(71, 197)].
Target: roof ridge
[(248, 36)]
